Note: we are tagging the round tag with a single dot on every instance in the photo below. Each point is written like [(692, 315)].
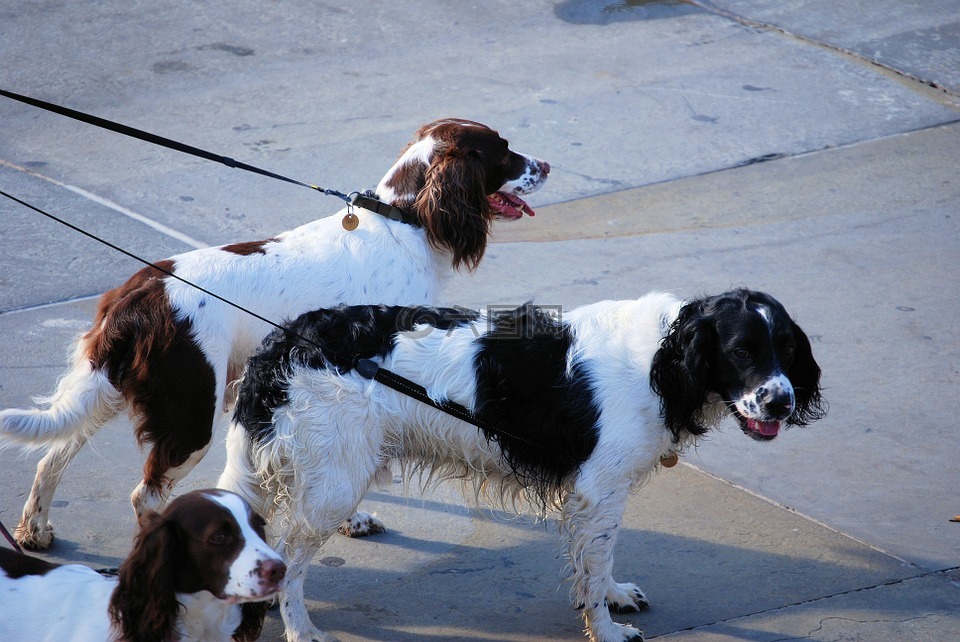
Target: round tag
[(350, 221), (669, 461)]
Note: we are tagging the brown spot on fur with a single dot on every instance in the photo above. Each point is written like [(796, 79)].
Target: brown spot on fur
[(16, 565), (248, 248), (153, 360)]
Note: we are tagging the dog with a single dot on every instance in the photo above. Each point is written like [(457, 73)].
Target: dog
[(573, 413), (198, 571), (168, 351)]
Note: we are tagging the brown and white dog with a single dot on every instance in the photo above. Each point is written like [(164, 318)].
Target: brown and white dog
[(195, 573), (167, 352)]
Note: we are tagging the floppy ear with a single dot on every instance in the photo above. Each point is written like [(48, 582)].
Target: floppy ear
[(453, 207), (804, 374), (681, 370), (144, 604)]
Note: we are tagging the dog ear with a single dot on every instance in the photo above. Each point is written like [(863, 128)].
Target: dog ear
[(144, 604), (681, 370), (453, 207), (804, 374)]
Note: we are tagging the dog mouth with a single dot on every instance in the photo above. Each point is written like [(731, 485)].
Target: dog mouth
[(759, 430), (509, 206), (262, 594)]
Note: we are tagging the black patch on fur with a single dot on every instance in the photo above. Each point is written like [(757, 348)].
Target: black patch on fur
[(546, 416), (335, 338), (543, 417)]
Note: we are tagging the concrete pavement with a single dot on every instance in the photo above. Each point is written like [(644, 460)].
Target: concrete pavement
[(805, 148)]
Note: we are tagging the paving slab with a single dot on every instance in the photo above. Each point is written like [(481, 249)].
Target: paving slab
[(920, 39)]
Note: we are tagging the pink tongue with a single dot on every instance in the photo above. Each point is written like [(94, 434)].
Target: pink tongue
[(765, 428), (509, 206)]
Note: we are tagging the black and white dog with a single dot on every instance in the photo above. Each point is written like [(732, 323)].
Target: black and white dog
[(578, 412)]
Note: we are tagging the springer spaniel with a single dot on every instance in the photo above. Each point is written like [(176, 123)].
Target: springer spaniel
[(574, 413), (195, 572), (168, 352)]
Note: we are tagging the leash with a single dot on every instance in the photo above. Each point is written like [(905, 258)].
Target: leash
[(365, 367), (148, 137), (369, 369), (9, 538), (367, 200), (143, 260)]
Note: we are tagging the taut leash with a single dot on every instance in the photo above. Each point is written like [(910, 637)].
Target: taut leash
[(367, 200), (148, 137), (369, 369), (9, 538)]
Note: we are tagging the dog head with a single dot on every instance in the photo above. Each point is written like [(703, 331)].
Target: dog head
[(456, 176), (742, 348), (208, 540)]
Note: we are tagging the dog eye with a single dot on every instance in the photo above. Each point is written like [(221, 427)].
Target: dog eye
[(741, 353), (788, 347), (220, 538)]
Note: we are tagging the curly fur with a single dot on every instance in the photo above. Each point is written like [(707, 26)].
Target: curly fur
[(574, 413)]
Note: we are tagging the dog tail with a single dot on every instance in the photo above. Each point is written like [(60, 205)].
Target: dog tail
[(83, 401)]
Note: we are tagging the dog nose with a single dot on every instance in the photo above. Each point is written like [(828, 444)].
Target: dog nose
[(779, 406), (272, 571), (544, 167)]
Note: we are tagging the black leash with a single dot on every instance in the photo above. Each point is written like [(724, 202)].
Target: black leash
[(365, 367), (142, 260), (160, 140), (367, 201), (9, 538), (369, 369)]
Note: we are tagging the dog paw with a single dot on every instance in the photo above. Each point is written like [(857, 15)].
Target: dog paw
[(633, 635), (618, 633), (362, 524), (33, 538), (626, 598)]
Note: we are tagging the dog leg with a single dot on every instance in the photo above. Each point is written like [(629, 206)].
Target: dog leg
[(239, 475), (591, 520), (82, 403), (148, 496), (363, 524), (178, 421), (34, 531), (293, 607)]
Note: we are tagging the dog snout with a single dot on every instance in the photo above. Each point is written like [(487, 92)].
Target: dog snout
[(543, 167), (779, 404), (272, 571)]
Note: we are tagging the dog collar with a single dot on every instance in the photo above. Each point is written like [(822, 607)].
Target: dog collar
[(370, 202)]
